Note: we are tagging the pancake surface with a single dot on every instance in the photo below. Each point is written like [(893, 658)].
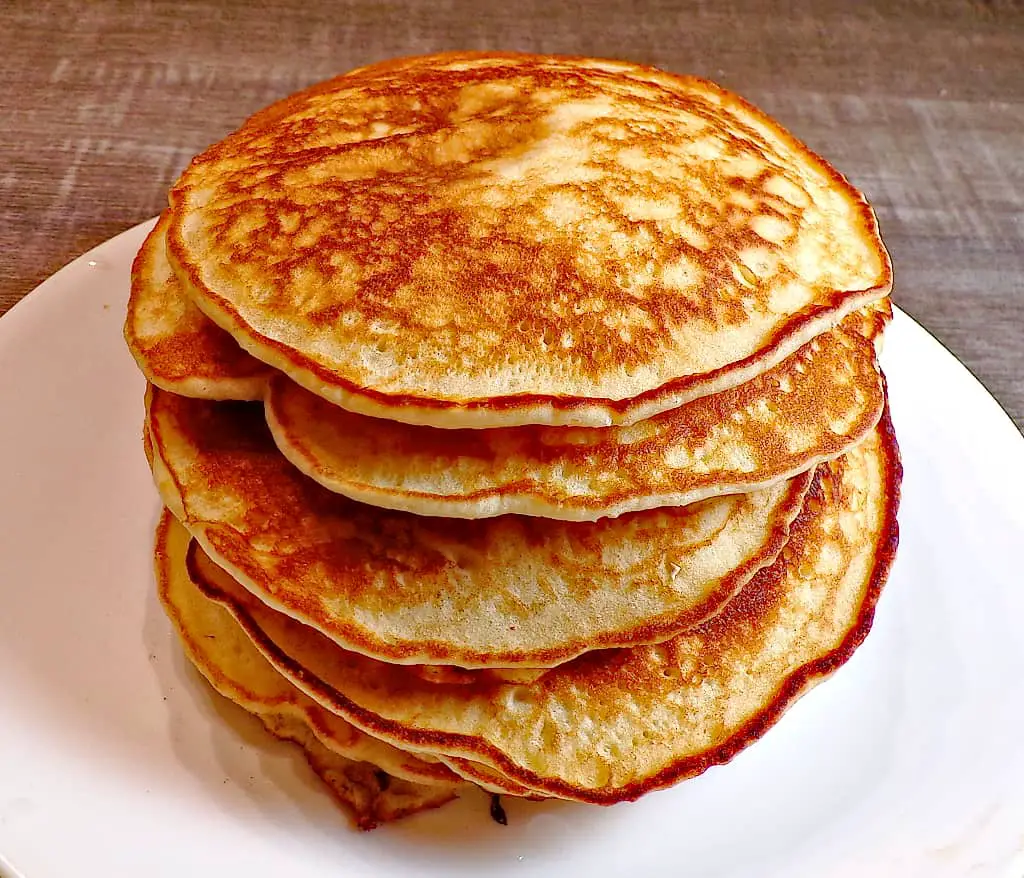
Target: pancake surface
[(492, 240), (809, 408), (494, 593), (175, 345), (234, 667), (613, 725)]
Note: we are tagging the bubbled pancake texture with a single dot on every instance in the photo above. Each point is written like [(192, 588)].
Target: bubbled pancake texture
[(470, 241), (519, 425)]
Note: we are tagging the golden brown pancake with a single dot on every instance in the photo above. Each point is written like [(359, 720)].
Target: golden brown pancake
[(493, 240), (810, 408), (872, 322), (175, 346), (234, 667), (229, 660), (502, 592), (615, 724)]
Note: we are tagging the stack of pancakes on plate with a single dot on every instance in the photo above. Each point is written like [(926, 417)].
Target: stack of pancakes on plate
[(519, 424)]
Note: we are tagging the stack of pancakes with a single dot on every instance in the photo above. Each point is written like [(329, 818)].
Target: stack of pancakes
[(519, 424)]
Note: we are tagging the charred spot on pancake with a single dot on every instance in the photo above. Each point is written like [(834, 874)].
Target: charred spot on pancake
[(498, 814)]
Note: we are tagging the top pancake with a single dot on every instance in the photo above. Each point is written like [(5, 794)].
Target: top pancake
[(491, 240)]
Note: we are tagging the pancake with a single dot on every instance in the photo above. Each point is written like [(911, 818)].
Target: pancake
[(613, 725), (369, 795), (810, 408), (226, 657), (502, 592), (496, 240), (175, 346), (234, 667), (185, 576)]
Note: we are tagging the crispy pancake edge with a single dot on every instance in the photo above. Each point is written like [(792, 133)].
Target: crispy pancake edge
[(205, 362)]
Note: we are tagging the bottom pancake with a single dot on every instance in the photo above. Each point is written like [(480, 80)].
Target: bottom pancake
[(615, 724)]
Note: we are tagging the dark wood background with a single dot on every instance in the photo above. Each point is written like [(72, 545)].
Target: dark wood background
[(920, 103)]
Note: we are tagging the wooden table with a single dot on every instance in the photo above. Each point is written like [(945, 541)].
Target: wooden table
[(920, 103)]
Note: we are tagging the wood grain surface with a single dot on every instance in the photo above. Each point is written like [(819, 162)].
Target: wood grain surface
[(920, 103)]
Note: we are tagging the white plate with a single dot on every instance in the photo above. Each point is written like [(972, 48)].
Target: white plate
[(116, 760)]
